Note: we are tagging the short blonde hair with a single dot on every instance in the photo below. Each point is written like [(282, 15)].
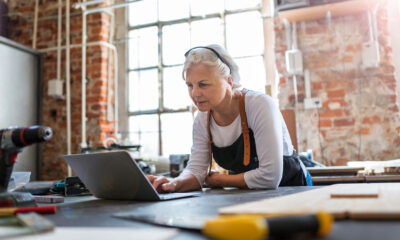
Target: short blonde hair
[(215, 56)]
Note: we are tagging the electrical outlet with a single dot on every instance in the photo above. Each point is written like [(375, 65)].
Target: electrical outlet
[(55, 88), (370, 54), (294, 61), (310, 103)]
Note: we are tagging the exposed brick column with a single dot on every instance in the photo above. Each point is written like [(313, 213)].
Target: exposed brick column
[(359, 118), (54, 111)]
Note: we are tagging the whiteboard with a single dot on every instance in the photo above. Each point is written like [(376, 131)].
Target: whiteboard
[(20, 79)]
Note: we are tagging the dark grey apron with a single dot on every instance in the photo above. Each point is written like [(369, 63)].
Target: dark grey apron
[(231, 158)]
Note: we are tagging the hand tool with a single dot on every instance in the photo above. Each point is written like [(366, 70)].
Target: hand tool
[(12, 141), (40, 209), (254, 227)]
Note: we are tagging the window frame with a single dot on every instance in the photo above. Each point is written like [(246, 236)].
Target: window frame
[(160, 66)]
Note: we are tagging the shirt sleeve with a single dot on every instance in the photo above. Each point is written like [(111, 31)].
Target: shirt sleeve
[(199, 158), (263, 117)]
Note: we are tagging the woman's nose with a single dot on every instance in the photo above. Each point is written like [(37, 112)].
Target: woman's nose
[(195, 91)]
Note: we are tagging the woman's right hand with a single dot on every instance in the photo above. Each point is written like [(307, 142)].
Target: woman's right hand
[(162, 184)]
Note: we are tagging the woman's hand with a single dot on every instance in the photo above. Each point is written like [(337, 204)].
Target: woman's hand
[(183, 183), (214, 179), (162, 184)]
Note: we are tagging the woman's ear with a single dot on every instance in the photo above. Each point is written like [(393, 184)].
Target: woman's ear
[(230, 80)]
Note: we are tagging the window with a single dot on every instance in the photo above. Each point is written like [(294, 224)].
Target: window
[(160, 110)]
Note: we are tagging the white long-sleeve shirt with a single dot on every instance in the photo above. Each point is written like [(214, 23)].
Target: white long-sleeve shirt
[(271, 137)]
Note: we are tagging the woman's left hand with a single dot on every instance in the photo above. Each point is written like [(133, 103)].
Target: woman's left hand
[(214, 179)]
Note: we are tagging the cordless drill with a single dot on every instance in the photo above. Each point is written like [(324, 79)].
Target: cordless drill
[(12, 141)]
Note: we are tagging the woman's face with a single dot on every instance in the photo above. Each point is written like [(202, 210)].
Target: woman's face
[(206, 86)]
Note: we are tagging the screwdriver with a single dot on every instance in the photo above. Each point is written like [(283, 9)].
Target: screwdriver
[(255, 227), (39, 209)]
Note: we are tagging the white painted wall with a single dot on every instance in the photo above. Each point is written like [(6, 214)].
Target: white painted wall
[(18, 98)]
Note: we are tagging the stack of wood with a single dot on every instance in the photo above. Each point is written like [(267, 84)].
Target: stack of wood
[(357, 172)]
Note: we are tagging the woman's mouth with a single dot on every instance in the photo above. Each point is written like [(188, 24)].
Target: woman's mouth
[(200, 103)]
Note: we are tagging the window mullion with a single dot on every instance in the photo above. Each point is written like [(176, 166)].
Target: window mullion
[(160, 87), (224, 24)]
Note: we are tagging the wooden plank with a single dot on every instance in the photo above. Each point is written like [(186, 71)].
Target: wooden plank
[(335, 9), (382, 178), (334, 170), (385, 206), (338, 179), (395, 170), (348, 191), (355, 179), (355, 195)]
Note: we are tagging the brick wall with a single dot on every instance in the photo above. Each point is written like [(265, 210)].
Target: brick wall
[(359, 118), (54, 111)]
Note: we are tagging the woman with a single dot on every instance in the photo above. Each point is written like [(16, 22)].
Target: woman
[(243, 130)]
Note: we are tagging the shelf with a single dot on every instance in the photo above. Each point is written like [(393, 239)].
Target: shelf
[(336, 9)]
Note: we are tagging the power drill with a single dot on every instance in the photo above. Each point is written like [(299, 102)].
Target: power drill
[(12, 141)]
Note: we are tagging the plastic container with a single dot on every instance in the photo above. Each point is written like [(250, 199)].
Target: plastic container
[(18, 179)]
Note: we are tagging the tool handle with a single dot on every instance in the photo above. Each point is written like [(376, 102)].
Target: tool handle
[(6, 168), (41, 209), (257, 227), (319, 224), (285, 226)]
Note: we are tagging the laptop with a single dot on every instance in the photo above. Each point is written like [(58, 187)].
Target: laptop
[(115, 175)]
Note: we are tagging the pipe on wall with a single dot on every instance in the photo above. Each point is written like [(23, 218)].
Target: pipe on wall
[(68, 78), (35, 23), (59, 28), (83, 83), (109, 117), (84, 4)]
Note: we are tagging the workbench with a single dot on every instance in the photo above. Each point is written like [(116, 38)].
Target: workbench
[(347, 174), (88, 211)]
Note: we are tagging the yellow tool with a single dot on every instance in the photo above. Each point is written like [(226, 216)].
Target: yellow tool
[(254, 227)]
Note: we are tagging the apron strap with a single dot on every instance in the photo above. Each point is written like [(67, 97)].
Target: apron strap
[(245, 129), (209, 140)]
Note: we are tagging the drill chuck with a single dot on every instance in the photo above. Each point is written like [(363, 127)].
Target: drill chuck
[(22, 137)]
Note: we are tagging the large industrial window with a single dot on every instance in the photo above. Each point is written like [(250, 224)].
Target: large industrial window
[(160, 32)]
